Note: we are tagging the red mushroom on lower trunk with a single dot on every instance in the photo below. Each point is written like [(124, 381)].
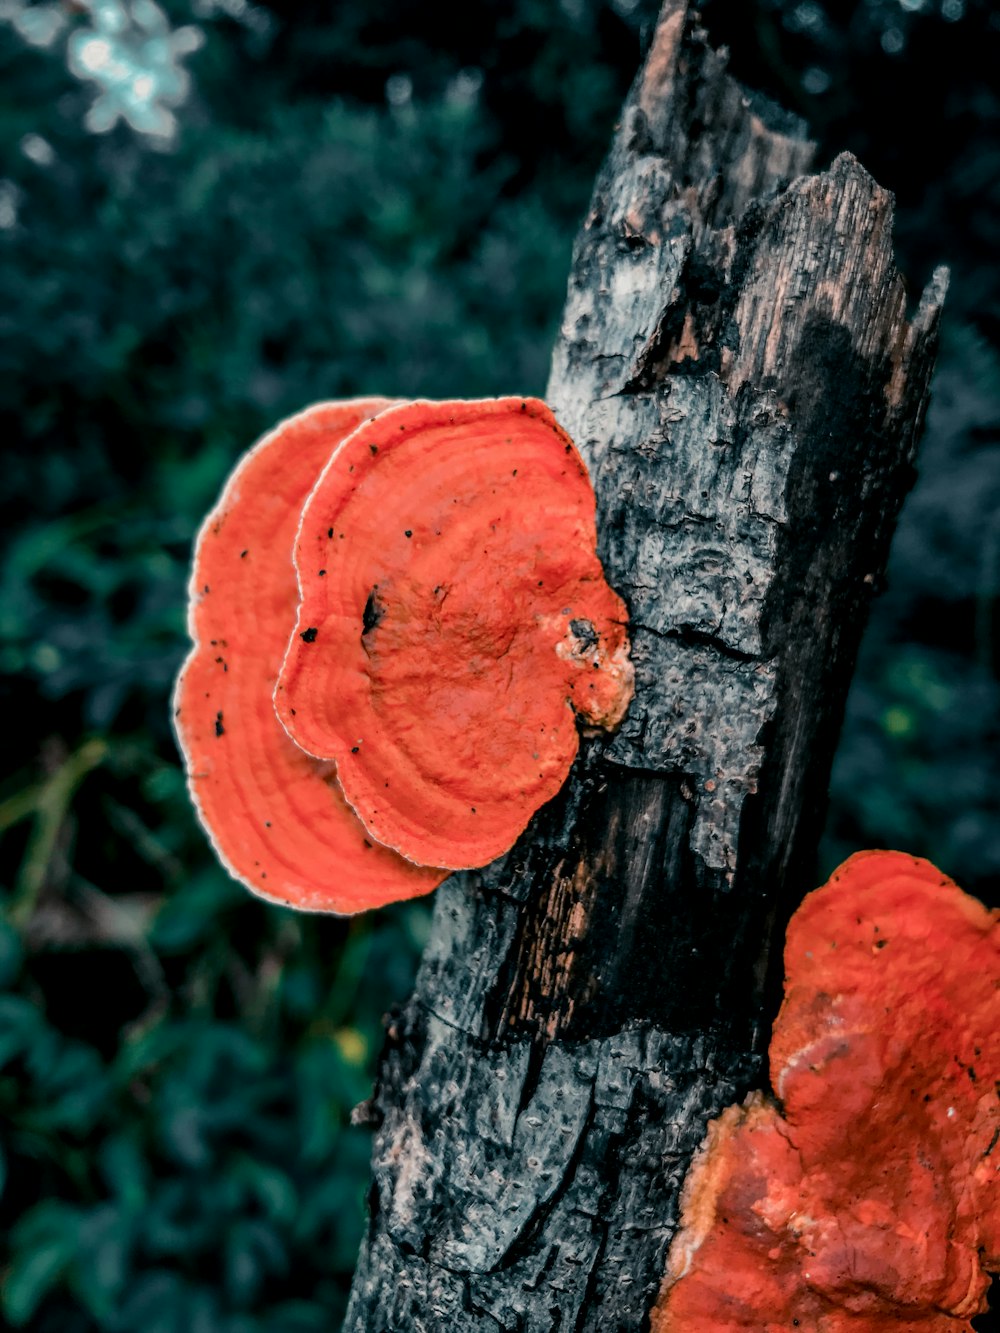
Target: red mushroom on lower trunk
[(276, 816), (868, 1197), (454, 615)]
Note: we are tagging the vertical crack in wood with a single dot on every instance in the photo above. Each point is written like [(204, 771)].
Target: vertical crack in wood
[(736, 364)]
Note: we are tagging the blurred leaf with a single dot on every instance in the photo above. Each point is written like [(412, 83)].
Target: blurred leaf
[(102, 1261), (125, 1169), (21, 1025), (29, 1278), (43, 1244), (192, 914), (253, 1253)]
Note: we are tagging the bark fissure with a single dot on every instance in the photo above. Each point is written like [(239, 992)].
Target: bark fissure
[(736, 364)]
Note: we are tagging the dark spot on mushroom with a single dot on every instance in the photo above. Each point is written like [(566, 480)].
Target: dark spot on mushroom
[(366, 842), (408, 532), (322, 573), (205, 589), (585, 632), (309, 635), (372, 615), (329, 532), (373, 448), (267, 823), (219, 728), (354, 749), (244, 554)]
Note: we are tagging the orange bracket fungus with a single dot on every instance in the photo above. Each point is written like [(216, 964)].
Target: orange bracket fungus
[(867, 1197), (276, 817), (453, 615)]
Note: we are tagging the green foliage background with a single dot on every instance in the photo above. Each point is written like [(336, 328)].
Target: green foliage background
[(177, 1060)]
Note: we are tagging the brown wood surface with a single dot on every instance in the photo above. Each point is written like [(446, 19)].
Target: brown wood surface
[(738, 366)]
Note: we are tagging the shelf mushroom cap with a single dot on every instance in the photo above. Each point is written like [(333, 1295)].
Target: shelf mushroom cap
[(868, 1198), (276, 817), (462, 617)]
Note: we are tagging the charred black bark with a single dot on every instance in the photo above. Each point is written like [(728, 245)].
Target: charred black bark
[(737, 365)]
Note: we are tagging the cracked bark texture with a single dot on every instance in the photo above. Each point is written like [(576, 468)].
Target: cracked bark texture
[(737, 364)]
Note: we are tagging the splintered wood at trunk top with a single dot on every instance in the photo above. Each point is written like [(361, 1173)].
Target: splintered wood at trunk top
[(736, 363)]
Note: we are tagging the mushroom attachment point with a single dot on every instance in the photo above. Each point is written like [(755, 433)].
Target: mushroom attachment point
[(461, 619), (867, 1197), (276, 816)]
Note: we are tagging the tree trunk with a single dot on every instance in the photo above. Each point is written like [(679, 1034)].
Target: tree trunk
[(737, 367)]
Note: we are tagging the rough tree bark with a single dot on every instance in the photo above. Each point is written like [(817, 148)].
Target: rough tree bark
[(737, 365)]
